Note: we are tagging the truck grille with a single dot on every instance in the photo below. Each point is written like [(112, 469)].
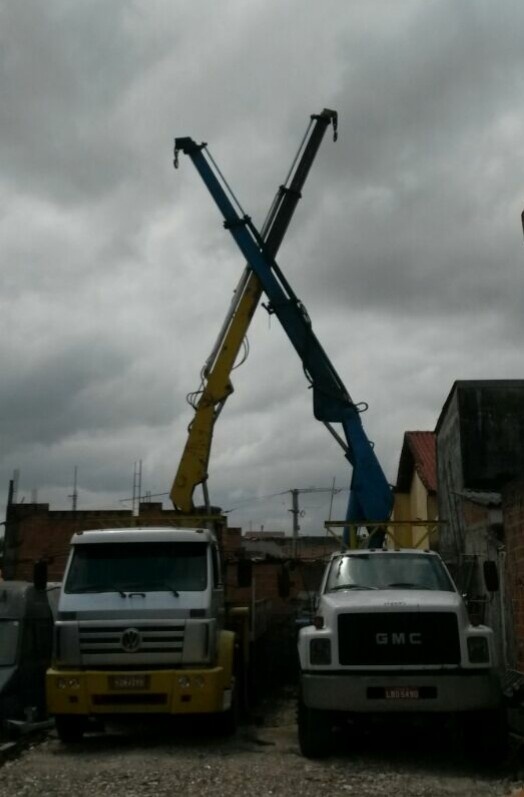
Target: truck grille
[(397, 638), (150, 699), (110, 639)]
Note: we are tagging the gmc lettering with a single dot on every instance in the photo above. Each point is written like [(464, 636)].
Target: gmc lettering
[(399, 638)]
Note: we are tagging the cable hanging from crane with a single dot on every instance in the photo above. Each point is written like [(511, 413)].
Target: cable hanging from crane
[(193, 396), (227, 354)]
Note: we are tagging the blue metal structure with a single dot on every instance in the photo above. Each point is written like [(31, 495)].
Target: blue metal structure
[(371, 498), (216, 385)]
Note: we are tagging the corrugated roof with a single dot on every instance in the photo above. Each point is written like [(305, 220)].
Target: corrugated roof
[(419, 452)]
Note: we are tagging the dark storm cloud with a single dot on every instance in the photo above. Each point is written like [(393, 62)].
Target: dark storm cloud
[(64, 68), (83, 388), (425, 210), (116, 272)]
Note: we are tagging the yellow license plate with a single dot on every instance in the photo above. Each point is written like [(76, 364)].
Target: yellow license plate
[(129, 682), (402, 693)]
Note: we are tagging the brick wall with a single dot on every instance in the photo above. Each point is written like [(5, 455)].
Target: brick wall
[(513, 514), (33, 532)]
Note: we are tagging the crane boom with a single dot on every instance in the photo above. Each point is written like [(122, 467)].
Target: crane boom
[(216, 386), (370, 494)]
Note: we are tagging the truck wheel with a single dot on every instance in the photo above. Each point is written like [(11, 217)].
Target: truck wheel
[(226, 723), (314, 731), (70, 729), (486, 736)]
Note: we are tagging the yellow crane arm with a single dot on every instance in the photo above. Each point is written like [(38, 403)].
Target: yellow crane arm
[(216, 382), (193, 466)]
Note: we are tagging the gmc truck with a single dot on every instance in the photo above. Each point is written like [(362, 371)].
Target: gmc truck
[(391, 634)]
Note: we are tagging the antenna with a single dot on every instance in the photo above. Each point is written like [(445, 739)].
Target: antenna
[(137, 486), (74, 494), (295, 511), (333, 491)]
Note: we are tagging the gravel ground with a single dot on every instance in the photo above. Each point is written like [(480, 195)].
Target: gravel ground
[(263, 759)]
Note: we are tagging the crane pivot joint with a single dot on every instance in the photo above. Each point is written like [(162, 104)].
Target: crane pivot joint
[(232, 223)]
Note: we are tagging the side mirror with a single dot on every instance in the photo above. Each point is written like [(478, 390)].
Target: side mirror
[(40, 575), (491, 576), (244, 573)]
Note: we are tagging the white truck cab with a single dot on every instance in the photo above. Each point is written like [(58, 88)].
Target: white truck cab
[(140, 629), (391, 633)]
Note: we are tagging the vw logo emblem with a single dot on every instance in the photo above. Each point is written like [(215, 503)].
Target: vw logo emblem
[(130, 640)]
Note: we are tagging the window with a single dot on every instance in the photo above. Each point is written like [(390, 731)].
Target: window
[(143, 566), (9, 632), (388, 571)]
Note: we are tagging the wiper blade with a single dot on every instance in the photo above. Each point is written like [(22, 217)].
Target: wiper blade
[(143, 589), (405, 585), (350, 586), (97, 591)]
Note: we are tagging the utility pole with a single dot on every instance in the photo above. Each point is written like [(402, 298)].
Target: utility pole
[(295, 511), (137, 487), (296, 526), (74, 494)]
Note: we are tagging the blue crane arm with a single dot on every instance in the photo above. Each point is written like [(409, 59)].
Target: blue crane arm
[(216, 385), (370, 494)]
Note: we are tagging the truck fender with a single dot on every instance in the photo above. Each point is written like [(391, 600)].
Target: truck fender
[(226, 653)]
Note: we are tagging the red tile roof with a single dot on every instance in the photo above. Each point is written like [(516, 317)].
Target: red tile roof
[(419, 452)]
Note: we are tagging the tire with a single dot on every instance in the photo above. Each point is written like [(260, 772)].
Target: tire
[(314, 731), (70, 729), (486, 736), (226, 723)]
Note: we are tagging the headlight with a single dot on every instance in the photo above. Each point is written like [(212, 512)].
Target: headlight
[(184, 682), (478, 650), (320, 651), (69, 683)]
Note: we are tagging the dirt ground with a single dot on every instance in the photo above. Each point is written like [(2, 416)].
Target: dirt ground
[(153, 758)]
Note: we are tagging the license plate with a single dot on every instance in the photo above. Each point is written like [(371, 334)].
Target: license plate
[(402, 693), (129, 682)]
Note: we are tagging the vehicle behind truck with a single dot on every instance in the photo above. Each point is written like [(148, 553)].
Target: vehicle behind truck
[(26, 634), (391, 635), (141, 629)]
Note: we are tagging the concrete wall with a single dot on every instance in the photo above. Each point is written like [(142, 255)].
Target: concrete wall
[(480, 447), (483, 542), (450, 482)]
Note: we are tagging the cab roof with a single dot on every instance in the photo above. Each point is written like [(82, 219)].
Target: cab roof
[(389, 551), (142, 534)]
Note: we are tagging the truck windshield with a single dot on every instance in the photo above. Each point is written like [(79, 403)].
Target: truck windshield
[(388, 571), (138, 567), (8, 642)]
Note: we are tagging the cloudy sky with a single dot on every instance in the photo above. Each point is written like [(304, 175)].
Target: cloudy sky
[(406, 248)]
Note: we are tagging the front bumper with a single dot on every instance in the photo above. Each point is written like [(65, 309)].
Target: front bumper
[(364, 693), (90, 692)]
